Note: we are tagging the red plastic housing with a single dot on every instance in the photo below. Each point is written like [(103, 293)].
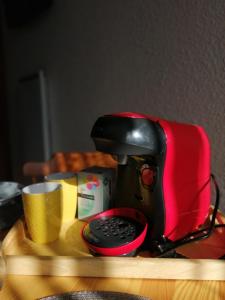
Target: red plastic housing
[(186, 176)]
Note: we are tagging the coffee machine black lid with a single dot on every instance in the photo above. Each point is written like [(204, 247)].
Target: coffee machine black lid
[(124, 135)]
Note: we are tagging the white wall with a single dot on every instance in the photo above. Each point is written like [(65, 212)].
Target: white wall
[(164, 58)]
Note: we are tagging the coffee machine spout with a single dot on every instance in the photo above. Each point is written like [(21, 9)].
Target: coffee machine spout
[(121, 159)]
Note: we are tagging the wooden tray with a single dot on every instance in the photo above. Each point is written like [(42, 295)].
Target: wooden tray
[(69, 256)]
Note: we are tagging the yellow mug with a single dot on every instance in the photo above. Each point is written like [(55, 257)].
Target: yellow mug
[(42, 210), (68, 180)]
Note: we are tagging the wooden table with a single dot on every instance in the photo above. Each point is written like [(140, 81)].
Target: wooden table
[(33, 287)]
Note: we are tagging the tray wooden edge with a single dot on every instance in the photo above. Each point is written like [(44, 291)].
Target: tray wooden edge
[(117, 267)]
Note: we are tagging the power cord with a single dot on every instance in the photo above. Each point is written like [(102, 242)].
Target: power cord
[(165, 248)]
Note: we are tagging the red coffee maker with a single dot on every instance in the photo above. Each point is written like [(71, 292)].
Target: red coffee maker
[(163, 170)]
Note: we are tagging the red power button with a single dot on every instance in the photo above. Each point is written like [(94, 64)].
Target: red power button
[(147, 175)]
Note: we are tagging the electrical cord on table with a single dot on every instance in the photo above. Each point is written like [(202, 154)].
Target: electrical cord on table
[(168, 247)]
